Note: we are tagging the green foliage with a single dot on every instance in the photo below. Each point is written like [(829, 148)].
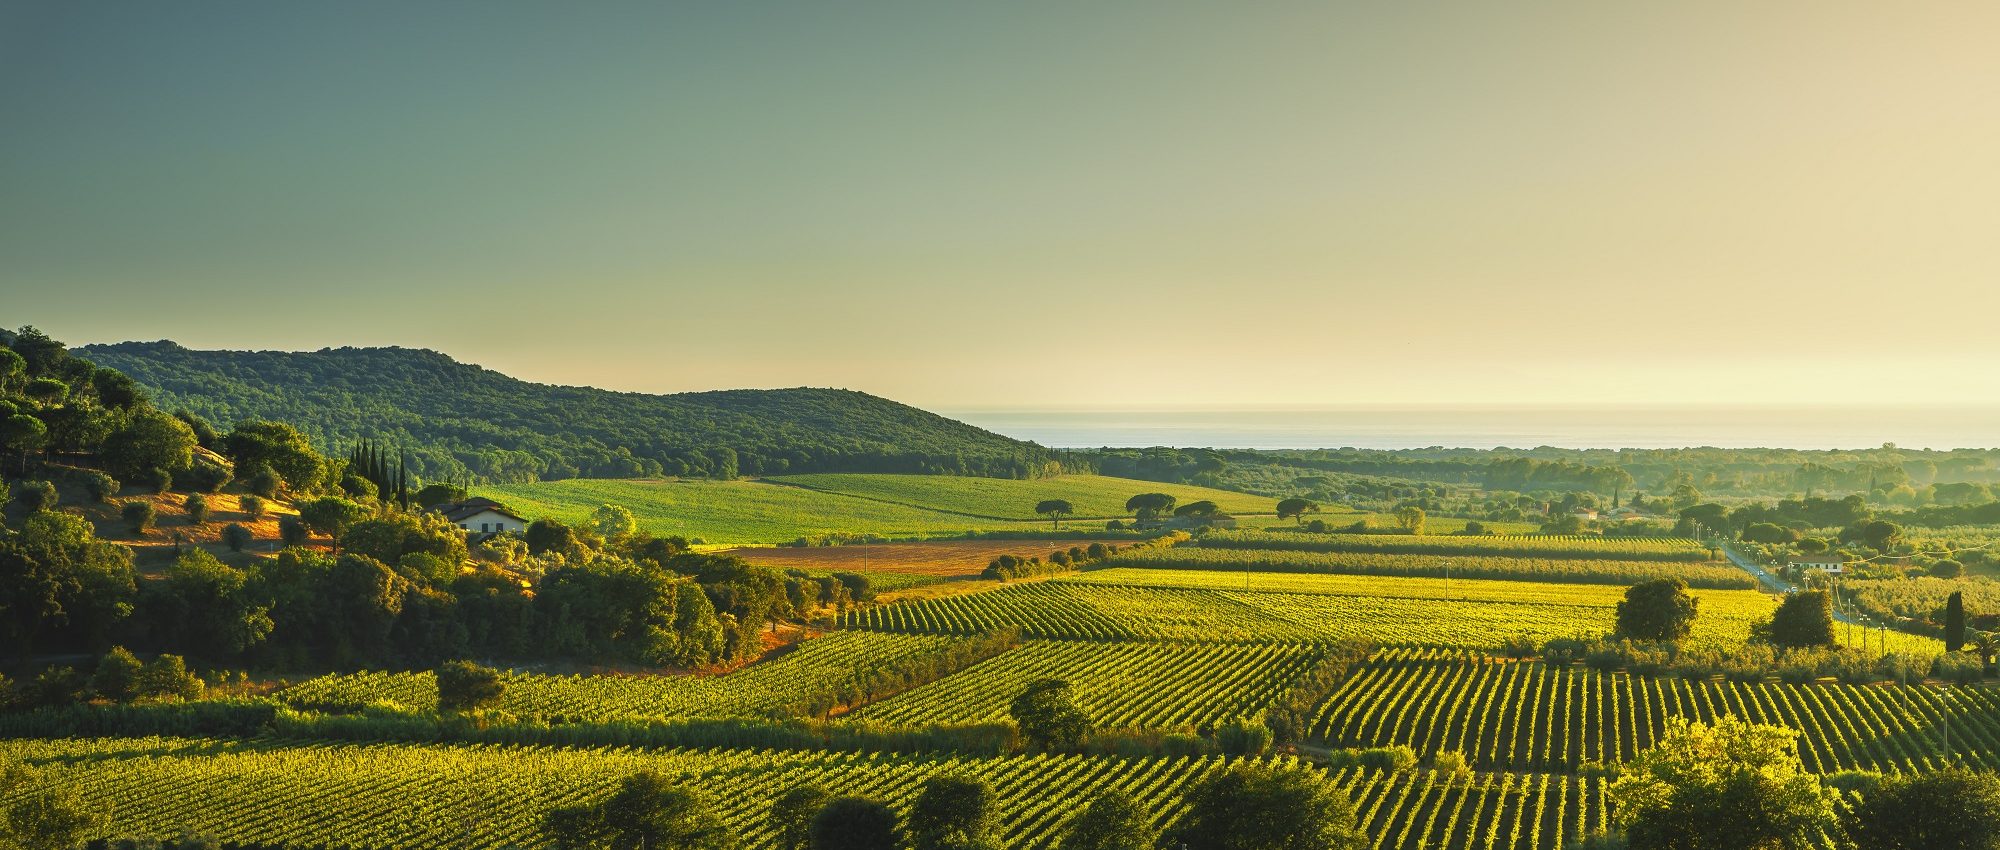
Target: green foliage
[(465, 686), (292, 530), (1732, 784), (1149, 506), (1522, 546), (1948, 809), (952, 812), (41, 814), (196, 506), (166, 677), (332, 515), (1112, 821), (1954, 622), (1296, 508), (1569, 570), (101, 487), (1252, 807), (613, 522), (1804, 619), (150, 440), (138, 515), (253, 507), (1659, 610), (1047, 713), (855, 823), (792, 814), (32, 496), (236, 536), (647, 811), (117, 676)]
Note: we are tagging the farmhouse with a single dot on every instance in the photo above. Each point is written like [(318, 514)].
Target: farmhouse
[(482, 516), (1829, 564)]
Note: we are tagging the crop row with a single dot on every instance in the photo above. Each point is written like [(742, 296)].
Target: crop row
[(1499, 567), (1525, 715), (1587, 546), (408, 796), (775, 686), (1092, 608), (1127, 685)]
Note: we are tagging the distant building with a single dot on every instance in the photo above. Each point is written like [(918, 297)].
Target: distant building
[(1585, 514), (482, 516), (1829, 564)]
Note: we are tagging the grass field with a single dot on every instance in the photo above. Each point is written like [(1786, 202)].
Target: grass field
[(1573, 570), (1094, 496), (780, 510)]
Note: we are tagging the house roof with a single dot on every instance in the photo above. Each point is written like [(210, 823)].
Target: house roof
[(457, 511)]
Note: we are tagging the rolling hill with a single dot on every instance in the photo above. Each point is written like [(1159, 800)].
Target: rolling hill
[(460, 421)]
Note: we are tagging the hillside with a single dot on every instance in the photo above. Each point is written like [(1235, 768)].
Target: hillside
[(461, 421)]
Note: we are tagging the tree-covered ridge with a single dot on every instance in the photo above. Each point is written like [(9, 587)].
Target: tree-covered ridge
[(460, 421)]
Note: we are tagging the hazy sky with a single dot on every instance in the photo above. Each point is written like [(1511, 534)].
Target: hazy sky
[(1038, 204)]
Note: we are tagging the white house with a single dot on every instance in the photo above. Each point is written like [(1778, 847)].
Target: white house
[(482, 516), (1829, 564)]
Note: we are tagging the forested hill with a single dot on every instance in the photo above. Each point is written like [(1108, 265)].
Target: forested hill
[(458, 420)]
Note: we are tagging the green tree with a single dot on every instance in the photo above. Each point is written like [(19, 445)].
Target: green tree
[(855, 823), (952, 813), (1055, 510), (138, 515), (647, 812), (1253, 807), (1987, 645), (433, 495), (41, 814), (24, 435), (1112, 821), (117, 676), (101, 487), (1147, 507), (253, 507), (1296, 508), (1954, 622), (292, 531), (1949, 809), (332, 515), (1198, 510), (792, 814), (196, 506), (167, 677), (280, 448), (1048, 715), (35, 496), (149, 441), (1410, 519), (1731, 786), (1661, 610), (548, 535), (614, 522), (1804, 619), (236, 536), (465, 686)]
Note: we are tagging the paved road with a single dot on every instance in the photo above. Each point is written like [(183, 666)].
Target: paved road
[(1776, 584)]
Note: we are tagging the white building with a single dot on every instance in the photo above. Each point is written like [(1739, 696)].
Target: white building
[(482, 516), (1829, 564)]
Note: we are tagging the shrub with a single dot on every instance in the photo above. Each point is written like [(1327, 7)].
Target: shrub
[(101, 487), (253, 506), (464, 686), (1386, 759), (35, 496), (292, 530), (196, 506), (1243, 736), (263, 481), (206, 478), (1959, 668), (155, 480), (139, 515), (167, 677), (117, 676), (1517, 647), (1562, 652), (236, 536), (1451, 765)]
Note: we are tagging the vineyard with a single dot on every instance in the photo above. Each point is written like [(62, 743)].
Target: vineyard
[(775, 686), (1526, 569), (411, 796), (1509, 715), (1092, 607), (1588, 546), (1134, 685)]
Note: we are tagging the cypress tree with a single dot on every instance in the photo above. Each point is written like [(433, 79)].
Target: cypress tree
[(1954, 622)]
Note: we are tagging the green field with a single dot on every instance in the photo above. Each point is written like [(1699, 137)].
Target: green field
[(1135, 685), (780, 686), (332, 794), (779, 510), (1571, 570), (1521, 715)]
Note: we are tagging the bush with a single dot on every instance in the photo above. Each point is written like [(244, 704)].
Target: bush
[(1243, 736), (253, 506), (1959, 668), (1451, 765), (196, 506), (263, 481), (101, 487), (236, 537), (155, 480), (167, 677), (292, 530), (35, 496), (1562, 652), (139, 516), (1386, 759), (465, 686), (206, 478), (1518, 647), (117, 676)]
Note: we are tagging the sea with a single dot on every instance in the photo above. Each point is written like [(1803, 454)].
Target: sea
[(1586, 427)]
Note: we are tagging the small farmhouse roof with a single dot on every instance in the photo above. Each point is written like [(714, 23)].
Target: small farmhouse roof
[(456, 511)]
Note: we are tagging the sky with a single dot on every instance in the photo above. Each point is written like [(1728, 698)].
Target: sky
[(1034, 205)]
